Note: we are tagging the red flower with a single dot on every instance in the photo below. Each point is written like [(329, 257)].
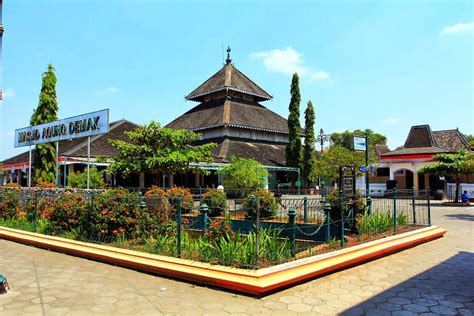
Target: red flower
[(215, 224), (121, 230), (104, 211), (185, 221), (226, 227)]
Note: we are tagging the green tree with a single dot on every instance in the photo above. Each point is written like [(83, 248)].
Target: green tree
[(470, 139), (345, 139), (154, 149), (309, 158), (293, 148), (44, 157), (455, 165), (79, 179), (242, 173), (328, 163)]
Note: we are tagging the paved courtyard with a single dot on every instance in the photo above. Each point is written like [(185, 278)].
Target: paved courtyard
[(436, 278)]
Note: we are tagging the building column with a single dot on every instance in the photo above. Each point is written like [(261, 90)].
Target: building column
[(197, 178), (141, 179), (415, 180), (392, 174), (170, 181)]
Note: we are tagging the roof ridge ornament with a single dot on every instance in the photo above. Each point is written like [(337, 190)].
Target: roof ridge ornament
[(228, 60)]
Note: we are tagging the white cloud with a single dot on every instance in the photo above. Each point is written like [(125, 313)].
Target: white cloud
[(8, 93), (391, 120), (288, 61), (458, 28), (320, 75), (112, 89)]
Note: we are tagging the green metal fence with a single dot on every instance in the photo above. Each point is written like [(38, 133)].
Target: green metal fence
[(249, 232)]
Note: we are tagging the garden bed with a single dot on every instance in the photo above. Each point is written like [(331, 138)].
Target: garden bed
[(254, 282)]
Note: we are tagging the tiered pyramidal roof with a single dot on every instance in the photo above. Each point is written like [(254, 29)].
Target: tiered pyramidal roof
[(229, 113)]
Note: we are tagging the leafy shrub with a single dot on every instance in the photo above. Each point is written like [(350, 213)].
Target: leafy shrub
[(79, 179), (46, 185), (37, 206), (242, 173), (69, 213), (9, 202), (158, 204), (116, 212), (262, 199), (176, 193), (216, 200)]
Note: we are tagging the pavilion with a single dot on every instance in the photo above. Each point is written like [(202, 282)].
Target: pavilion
[(421, 145)]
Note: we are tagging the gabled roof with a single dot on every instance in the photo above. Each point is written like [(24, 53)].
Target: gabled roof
[(232, 113), (422, 140), (77, 147), (264, 153), (452, 140), (420, 136), (228, 78)]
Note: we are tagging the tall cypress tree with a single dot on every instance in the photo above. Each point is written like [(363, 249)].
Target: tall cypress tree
[(44, 158), (309, 160), (293, 148)]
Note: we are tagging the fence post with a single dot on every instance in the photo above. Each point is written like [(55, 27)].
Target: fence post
[(291, 221), (394, 211), (257, 234), (327, 213), (369, 205), (341, 207), (179, 226), (429, 206), (203, 209), (413, 202), (35, 214), (305, 209)]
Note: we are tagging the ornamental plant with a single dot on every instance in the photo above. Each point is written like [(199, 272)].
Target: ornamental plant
[(79, 179), (69, 214), (176, 193), (158, 204), (45, 185), (9, 201), (216, 200), (220, 228), (117, 212), (264, 201), (244, 174)]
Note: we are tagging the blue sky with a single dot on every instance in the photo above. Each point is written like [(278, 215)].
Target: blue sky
[(384, 65)]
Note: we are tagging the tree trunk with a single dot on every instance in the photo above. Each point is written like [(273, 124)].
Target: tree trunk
[(458, 185)]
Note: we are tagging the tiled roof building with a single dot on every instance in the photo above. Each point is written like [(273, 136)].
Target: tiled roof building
[(230, 114)]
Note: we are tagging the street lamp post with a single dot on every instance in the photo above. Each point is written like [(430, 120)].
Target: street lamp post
[(321, 139)]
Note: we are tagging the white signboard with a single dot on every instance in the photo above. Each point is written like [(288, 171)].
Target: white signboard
[(359, 143), (90, 124)]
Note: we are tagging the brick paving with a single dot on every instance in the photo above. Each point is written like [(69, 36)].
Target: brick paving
[(433, 278)]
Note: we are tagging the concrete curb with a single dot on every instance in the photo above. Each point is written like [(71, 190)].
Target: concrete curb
[(254, 282)]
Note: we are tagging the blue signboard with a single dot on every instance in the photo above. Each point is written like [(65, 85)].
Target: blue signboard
[(362, 168), (359, 143)]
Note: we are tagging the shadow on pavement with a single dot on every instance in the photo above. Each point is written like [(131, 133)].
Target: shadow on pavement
[(464, 217), (446, 289)]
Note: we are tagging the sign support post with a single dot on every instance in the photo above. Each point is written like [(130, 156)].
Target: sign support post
[(57, 164), (367, 188), (29, 168), (88, 159)]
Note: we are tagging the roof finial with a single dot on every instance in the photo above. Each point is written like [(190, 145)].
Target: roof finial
[(228, 60)]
